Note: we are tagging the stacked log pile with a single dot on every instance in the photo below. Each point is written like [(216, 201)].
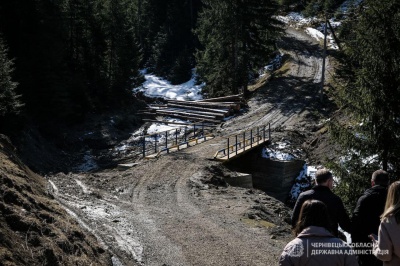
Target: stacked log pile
[(212, 110)]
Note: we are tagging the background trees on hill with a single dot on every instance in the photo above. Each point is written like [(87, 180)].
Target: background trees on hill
[(371, 97), (9, 100), (237, 37), (166, 35), (72, 56)]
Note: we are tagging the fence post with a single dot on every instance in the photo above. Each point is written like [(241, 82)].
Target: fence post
[(227, 148), (185, 134), (176, 138), (144, 146), (244, 140), (236, 144), (166, 141), (258, 135), (251, 138), (202, 128), (155, 143), (269, 131), (264, 134)]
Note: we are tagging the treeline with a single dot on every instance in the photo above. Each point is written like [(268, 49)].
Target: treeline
[(68, 57), (71, 56), (368, 94)]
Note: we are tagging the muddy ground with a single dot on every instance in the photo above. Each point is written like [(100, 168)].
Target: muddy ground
[(178, 209)]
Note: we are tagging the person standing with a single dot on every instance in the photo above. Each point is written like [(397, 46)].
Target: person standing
[(314, 244), (366, 218), (323, 192), (386, 246)]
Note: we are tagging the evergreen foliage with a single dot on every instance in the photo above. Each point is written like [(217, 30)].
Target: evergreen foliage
[(237, 37), (316, 7), (165, 30), (371, 96), (72, 55), (9, 100)]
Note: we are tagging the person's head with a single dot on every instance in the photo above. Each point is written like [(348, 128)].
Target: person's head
[(324, 178), (392, 206), (312, 213), (380, 177)]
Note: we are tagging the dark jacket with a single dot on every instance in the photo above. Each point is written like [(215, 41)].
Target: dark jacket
[(334, 204), (366, 215), (366, 220)]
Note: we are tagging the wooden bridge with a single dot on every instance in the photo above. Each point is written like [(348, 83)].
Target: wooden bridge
[(245, 141), (175, 139)]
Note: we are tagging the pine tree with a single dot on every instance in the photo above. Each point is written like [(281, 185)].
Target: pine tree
[(315, 7), (371, 97), (237, 38), (9, 100), (167, 38)]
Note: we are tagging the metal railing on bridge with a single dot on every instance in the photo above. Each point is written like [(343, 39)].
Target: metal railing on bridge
[(244, 141), (175, 139)]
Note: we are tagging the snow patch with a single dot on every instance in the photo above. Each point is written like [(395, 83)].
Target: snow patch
[(55, 189), (88, 163), (296, 19), (157, 87), (84, 188)]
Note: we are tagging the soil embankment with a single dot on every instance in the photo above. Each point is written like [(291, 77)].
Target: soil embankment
[(35, 228)]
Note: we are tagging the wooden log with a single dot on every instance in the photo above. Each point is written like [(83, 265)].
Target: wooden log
[(176, 123), (235, 98), (215, 105), (180, 110), (190, 118), (158, 105), (215, 110), (186, 114)]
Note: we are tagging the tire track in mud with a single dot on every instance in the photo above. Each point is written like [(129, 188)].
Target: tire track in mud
[(194, 223)]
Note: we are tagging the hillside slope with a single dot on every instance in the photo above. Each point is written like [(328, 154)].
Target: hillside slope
[(35, 229)]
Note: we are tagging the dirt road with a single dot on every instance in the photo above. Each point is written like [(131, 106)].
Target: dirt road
[(176, 210)]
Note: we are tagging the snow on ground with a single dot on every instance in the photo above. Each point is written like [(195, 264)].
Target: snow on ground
[(157, 87), (278, 155), (319, 36), (296, 19), (160, 127), (88, 163), (299, 21)]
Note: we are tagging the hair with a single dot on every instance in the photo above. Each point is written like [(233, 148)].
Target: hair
[(322, 175), (313, 212), (392, 206), (380, 177)]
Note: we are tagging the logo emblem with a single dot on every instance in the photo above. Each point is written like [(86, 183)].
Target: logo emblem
[(296, 250)]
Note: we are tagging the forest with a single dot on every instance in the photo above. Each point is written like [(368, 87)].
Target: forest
[(62, 59)]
